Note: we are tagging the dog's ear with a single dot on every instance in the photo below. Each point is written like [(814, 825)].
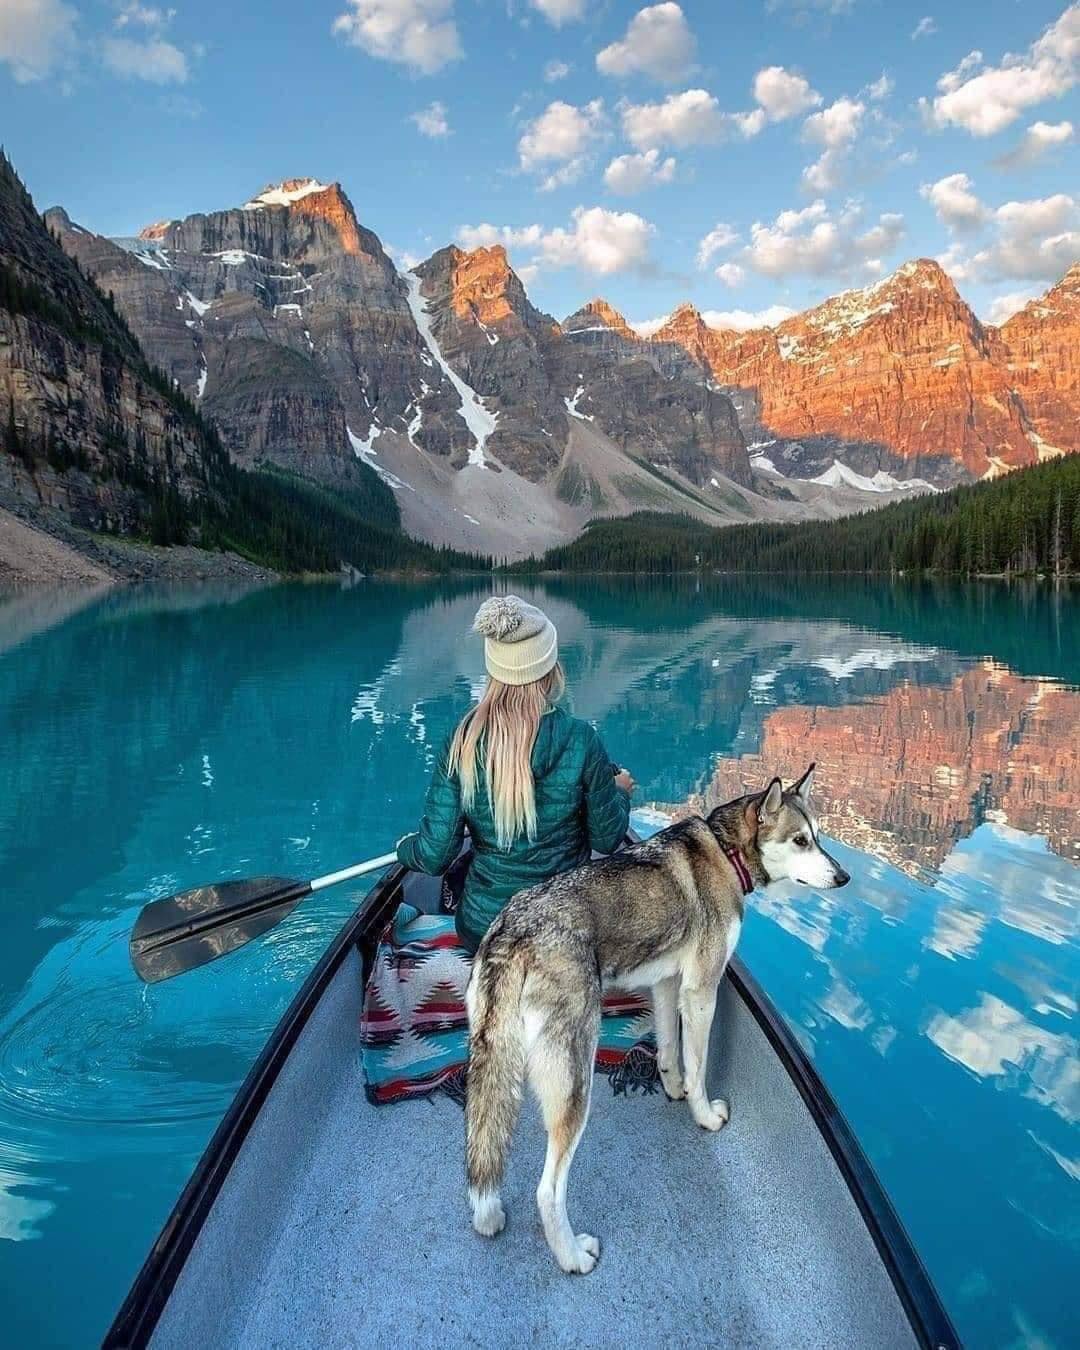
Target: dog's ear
[(771, 801), (802, 788)]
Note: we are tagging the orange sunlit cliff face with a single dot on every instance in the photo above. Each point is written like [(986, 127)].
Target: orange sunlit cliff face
[(907, 776), (906, 365)]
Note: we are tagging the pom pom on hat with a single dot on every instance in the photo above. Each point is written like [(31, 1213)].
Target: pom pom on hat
[(498, 617)]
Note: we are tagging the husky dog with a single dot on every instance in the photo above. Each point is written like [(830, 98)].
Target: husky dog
[(664, 914)]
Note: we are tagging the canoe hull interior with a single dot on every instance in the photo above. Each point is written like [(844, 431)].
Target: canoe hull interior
[(337, 1223)]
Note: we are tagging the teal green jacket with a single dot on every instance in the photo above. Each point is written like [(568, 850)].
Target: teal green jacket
[(578, 808)]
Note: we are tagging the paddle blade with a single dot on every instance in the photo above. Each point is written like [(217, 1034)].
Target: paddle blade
[(188, 930)]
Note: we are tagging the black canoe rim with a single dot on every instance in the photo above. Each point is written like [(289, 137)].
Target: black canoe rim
[(138, 1316)]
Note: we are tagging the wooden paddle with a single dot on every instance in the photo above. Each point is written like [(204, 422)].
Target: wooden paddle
[(188, 930)]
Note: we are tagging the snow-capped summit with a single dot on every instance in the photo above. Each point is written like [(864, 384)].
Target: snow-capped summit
[(285, 193)]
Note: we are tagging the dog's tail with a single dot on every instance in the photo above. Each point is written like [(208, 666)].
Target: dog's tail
[(495, 1076)]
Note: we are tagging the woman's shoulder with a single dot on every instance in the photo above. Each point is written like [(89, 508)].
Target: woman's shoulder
[(575, 729)]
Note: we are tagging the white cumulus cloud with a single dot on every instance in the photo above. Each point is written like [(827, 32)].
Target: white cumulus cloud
[(690, 118), (955, 203), (1033, 240), (36, 37), (627, 174), (561, 132), (1037, 142), (817, 242), (420, 34), (741, 320), (783, 94), (647, 327), (721, 236), (558, 12), (731, 274), (561, 136), (153, 60), (556, 70), (485, 235), (657, 42), (881, 88), (146, 16), (1004, 306), (745, 320), (431, 121), (924, 27), (836, 129), (598, 241), (986, 99)]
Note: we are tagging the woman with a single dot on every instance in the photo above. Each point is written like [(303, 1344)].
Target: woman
[(534, 785)]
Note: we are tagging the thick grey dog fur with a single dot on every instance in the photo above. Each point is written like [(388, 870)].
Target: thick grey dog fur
[(665, 915)]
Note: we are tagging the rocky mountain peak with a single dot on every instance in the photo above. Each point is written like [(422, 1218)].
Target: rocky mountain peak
[(596, 313), (56, 218), (157, 231), (479, 284), (288, 192), (1060, 302), (311, 199), (688, 329), (1042, 344), (925, 272)]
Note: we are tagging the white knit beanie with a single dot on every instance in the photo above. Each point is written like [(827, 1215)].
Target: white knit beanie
[(520, 641)]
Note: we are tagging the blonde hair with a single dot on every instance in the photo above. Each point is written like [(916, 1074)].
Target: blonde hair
[(507, 717)]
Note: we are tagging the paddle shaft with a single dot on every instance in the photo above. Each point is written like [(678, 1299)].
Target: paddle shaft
[(294, 891), (358, 870)]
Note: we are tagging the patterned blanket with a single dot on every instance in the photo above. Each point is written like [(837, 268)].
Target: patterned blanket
[(414, 1033)]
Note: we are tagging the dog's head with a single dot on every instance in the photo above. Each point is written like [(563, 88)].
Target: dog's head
[(786, 833)]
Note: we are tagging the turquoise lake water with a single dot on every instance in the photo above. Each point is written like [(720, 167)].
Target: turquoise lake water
[(152, 740)]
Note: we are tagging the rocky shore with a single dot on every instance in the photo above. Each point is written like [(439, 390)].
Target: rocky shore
[(44, 548)]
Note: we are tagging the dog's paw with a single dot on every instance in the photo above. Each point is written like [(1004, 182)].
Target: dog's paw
[(673, 1084), (582, 1256), (489, 1217), (711, 1115)]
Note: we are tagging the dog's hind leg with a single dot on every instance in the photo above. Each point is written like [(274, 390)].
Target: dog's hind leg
[(698, 1005), (495, 1074), (561, 1073), (666, 1016)]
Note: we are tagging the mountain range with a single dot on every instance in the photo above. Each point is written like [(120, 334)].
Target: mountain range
[(497, 428)]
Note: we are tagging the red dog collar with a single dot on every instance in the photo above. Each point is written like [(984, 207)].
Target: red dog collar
[(736, 859)]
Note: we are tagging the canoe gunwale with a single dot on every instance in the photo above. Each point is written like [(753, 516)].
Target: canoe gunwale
[(926, 1313), (138, 1316), (139, 1313)]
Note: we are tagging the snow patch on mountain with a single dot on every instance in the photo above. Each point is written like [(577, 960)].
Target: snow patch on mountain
[(572, 406), (366, 451), (477, 418), (839, 475), (763, 464), (284, 194)]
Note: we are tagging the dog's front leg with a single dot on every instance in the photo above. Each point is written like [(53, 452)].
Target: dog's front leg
[(698, 1004), (666, 1016)]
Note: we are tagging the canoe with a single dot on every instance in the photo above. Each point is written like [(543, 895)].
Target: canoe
[(317, 1219)]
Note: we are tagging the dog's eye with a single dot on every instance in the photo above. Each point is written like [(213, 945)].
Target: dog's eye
[(802, 841)]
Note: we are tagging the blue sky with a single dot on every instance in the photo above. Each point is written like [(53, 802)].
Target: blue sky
[(747, 156)]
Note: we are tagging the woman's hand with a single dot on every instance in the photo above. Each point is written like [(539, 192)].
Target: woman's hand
[(625, 779)]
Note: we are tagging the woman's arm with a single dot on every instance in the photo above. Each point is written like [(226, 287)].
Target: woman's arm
[(435, 845), (607, 806)]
